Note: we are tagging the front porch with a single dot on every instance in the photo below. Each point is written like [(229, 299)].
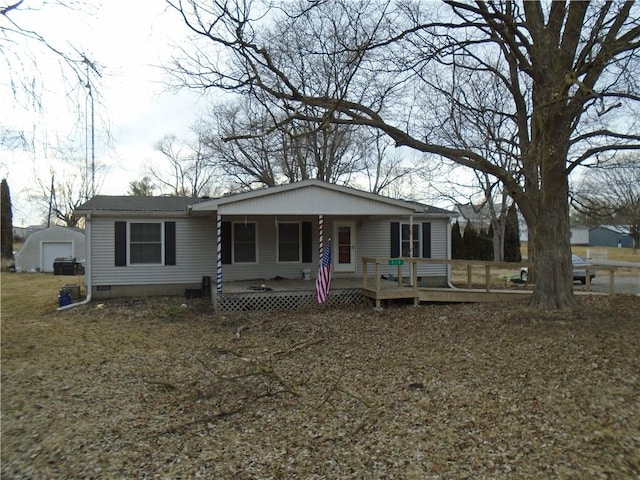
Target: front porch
[(292, 294), (286, 294), (283, 294)]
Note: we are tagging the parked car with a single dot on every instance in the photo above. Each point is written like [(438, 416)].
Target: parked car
[(580, 266)]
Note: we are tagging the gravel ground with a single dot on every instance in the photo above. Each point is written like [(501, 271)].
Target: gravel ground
[(154, 389)]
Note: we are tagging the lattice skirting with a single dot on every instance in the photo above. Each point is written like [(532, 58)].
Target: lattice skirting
[(294, 300)]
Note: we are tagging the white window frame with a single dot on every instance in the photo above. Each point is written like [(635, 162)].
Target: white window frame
[(129, 243), (417, 227)]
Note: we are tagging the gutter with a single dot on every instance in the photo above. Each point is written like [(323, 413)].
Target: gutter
[(87, 268)]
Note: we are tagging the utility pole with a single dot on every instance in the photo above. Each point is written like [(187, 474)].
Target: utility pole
[(52, 196)]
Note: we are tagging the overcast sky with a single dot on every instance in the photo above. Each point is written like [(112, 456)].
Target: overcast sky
[(128, 41)]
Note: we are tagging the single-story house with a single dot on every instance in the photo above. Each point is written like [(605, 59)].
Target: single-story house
[(610, 236), (42, 247), (166, 245)]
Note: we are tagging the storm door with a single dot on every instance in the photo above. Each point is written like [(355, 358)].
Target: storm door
[(344, 247)]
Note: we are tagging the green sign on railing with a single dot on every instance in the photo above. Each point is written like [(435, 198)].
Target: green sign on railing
[(396, 261)]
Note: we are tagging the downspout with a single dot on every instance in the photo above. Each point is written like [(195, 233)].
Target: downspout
[(87, 268)]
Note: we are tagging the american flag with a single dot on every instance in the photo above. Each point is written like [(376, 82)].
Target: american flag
[(323, 282)]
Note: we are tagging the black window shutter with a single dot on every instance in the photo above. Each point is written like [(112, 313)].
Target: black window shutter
[(169, 243), (225, 233), (121, 244), (426, 240), (395, 239), (307, 243)]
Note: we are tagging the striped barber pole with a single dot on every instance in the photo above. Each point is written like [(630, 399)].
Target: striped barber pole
[(219, 257), (320, 234)]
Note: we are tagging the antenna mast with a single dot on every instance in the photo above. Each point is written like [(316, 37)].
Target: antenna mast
[(90, 65)]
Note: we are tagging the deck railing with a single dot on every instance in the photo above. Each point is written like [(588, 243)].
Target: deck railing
[(469, 265)]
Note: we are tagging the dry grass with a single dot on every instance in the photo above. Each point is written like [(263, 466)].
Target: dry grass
[(619, 254), (150, 389)]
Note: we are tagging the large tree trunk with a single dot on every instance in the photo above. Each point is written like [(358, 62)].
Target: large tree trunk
[(551, 237)]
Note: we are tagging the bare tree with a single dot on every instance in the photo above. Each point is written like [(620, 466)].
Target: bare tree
[(59, 195), (189, 171), (569, 71), (611, 194), (255, 150), (383, 169), (250, 160), (23, 49), (253, 154)]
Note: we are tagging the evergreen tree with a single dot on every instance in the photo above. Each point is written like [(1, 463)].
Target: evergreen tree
[(512, 236), (457, 243), (141, 188), (7, 222), (470, 241)]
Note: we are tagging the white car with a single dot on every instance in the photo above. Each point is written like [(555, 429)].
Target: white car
[(579, 270)]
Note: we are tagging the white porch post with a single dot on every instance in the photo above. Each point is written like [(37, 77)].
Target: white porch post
[(219, 254), (411, 265)]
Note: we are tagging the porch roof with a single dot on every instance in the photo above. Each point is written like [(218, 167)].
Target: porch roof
[(313, 197)]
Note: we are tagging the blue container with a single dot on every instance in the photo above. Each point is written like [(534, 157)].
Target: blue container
[(64, 298)]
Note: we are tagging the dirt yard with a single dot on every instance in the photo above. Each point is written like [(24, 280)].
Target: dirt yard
[(163, 388)]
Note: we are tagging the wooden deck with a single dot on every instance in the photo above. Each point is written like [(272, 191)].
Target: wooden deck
[(280, 293), (379, 289), (444, 295)]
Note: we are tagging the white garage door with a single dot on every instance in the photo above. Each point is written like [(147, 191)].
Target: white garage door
[(52, 250)]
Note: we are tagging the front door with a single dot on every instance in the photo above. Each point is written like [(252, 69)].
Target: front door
[(344, 247)]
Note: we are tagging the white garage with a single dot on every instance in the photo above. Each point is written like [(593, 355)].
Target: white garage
[(41, 248)]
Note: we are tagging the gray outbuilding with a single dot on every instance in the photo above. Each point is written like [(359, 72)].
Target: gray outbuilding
[(41, 248)]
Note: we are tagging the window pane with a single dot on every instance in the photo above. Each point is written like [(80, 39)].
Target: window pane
[(405, 232), (244, 233), (405, 240), (244, 242), (145, 232), (146, 253), (145, 243), (244, 252), (289, 242)]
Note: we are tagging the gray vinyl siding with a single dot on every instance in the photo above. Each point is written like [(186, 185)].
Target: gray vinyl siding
[(196, 250), (195, 254), (267, 265), (374, 240), (308, 200)]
